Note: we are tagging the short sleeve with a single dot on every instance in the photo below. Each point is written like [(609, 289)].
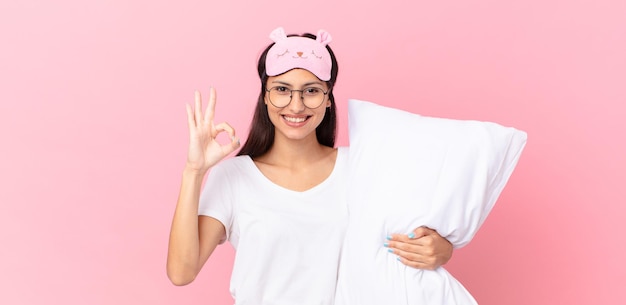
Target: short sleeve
[(216, 199)]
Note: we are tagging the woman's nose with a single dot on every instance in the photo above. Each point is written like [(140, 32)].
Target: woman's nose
[(297, 102)]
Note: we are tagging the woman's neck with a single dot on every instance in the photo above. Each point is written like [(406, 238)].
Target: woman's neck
[(297, 166), (293, 153)]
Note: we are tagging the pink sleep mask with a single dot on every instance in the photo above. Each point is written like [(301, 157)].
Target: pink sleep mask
[(299, 52)]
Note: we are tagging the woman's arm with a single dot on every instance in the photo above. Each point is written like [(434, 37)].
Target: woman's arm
[(193, 238), (422, 249)]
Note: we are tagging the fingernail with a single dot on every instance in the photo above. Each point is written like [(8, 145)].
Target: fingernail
[(388, 237), (389, 250), (398, 258), (411, 235), (386, 244)]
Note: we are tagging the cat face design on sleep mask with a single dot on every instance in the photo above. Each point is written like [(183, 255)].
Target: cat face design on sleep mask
[(293, 52)]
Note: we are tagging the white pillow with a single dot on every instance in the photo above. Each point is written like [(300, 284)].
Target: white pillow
[(408, 171)]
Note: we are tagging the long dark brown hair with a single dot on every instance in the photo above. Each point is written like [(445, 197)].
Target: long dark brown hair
[(261, 136)]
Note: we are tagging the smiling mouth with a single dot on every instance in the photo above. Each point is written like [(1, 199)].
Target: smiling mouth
[(295, 120)]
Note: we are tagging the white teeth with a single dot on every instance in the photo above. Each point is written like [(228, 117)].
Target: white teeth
[(295, 120)]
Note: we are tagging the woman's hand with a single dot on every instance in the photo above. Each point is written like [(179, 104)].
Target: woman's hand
[(424, 248), (204, 149)]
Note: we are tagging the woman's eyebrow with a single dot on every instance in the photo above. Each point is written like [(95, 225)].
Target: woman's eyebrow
[(303, 85), (281, 82), (313, 83)]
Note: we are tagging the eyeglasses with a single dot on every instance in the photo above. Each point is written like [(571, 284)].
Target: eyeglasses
[(312, 97)]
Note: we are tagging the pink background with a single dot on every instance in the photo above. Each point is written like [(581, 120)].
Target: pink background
[(93, 132)]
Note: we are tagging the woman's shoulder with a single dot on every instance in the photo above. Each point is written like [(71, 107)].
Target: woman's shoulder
[(233, 165)]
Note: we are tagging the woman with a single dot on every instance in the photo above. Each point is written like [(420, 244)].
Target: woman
[(282, 201)]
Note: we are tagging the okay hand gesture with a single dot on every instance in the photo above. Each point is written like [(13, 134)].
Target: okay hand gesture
[(204, 149)]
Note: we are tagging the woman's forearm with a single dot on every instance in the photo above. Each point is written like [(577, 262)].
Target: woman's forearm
[(183, 260)]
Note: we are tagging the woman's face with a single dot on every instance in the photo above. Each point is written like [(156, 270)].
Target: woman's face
[(295, 121)]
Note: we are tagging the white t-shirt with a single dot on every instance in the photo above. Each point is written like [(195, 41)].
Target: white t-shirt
[(287, 243)]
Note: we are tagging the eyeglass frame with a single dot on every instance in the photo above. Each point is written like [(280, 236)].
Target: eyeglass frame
[(301, 96)]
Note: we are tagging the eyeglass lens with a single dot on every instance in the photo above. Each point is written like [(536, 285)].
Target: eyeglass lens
[(312, 97)]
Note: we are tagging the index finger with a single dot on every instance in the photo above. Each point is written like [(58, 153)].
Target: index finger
[(417, 233), (210, 109)]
